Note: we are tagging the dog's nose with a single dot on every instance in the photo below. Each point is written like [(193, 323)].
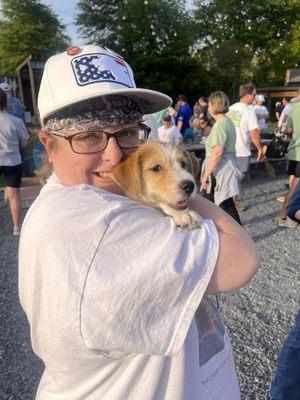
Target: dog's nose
[(187, 186)]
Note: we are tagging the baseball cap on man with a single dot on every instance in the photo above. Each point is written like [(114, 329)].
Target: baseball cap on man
[(88, 72), (260, 97), (182, 97), (5, 86)]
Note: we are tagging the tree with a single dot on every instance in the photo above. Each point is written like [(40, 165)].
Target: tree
[(154, 36), (246, 39), (28, 27)]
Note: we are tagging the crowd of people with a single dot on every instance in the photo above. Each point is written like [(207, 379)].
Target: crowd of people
[(118, 298), (249, 117)]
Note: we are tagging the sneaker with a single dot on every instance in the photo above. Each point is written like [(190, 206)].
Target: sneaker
[(16, 231), (285, 223), (280, 199)]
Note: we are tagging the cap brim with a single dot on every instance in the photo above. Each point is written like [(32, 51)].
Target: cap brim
[(150, 101)]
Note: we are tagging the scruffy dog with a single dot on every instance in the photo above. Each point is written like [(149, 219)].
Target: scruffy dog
[(161, 175)]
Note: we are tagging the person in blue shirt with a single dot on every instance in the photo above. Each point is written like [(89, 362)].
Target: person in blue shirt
[(184, 114), (14, 105), (293, 208), (285, 384), (16, 108)]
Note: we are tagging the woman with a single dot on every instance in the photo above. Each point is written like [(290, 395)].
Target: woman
[(116, 294), (13, 133), (205, 126), (169, 133), (220, 160)]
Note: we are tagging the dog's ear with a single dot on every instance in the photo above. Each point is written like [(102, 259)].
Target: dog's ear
[(127, 174), (192, 163)]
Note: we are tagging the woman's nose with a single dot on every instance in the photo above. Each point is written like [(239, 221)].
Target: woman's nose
[(112, 152)]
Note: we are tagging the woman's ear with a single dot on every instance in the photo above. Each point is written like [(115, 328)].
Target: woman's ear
[(47, 142)]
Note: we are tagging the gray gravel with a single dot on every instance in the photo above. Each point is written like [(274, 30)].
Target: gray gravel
[(258, 316)]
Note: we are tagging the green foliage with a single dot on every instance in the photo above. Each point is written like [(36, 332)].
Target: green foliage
[(154, 36), (28, 27), (250, 40)]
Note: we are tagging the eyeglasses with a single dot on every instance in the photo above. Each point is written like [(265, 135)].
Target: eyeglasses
[(90, 142)]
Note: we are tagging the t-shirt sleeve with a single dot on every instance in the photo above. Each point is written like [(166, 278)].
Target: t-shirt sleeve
[(181, 114), (21, 129), (252, 120), (145, 283), (218, 135)]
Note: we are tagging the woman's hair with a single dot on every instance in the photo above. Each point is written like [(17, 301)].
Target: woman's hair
[(194, 122), (3, 100), (219, 102)]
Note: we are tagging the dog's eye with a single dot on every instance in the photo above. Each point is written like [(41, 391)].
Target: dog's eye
[(183, 164), (157, 168)]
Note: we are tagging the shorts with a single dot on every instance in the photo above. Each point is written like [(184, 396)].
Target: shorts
[(12, 175), (294, 168), (243, 163)]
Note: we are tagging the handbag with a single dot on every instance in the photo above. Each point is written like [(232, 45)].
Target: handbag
[(277, 148)]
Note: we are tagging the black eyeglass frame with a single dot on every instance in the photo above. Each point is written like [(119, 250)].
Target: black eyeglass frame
[(108, 135)]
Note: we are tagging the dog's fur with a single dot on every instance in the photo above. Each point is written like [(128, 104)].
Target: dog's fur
[(158, 174)]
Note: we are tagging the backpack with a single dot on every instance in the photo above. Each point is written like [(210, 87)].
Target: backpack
[(277, 148)]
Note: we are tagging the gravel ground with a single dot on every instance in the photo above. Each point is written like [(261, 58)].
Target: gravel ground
[(258, 316)]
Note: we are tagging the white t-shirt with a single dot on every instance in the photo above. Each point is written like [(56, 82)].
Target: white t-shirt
[(111, 289), (244, 120), (261, 110), (169, 135), (12, 131)]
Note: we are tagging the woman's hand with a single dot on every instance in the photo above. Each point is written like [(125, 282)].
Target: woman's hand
[(203, 185)]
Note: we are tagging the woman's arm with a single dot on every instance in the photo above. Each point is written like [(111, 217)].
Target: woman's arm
[(238, 258), (214, 159)]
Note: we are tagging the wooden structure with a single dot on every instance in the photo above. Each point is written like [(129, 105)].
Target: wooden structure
[(277, 92), (29, 75)]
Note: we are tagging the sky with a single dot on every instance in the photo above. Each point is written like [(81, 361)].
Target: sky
[(65, 10)]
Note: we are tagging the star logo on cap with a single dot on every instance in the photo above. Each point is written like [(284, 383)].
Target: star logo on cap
[(73, 50)]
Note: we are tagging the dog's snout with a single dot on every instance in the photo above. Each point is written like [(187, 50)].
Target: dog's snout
[(187, 186)]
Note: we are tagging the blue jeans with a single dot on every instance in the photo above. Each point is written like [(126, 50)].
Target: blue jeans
[(285, 384)]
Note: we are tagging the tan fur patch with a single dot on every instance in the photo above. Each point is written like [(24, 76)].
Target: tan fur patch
[(153, 173)]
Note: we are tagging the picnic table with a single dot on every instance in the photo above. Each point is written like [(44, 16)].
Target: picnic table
[(199, 150)]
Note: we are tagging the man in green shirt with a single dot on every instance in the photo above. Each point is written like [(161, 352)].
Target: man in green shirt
[(293, 129)]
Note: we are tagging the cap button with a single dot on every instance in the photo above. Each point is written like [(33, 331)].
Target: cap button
[(73, 50)]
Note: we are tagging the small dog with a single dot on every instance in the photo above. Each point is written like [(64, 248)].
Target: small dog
[(161, 175)]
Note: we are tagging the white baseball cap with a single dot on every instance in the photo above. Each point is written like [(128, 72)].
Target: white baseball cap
[(5, 86), (260, 97), (87, 72)]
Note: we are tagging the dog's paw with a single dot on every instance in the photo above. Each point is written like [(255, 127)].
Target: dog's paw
[(188, 219)]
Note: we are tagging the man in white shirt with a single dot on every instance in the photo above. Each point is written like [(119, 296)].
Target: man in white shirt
[(245, 122), (261, 113), (168, 133)]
